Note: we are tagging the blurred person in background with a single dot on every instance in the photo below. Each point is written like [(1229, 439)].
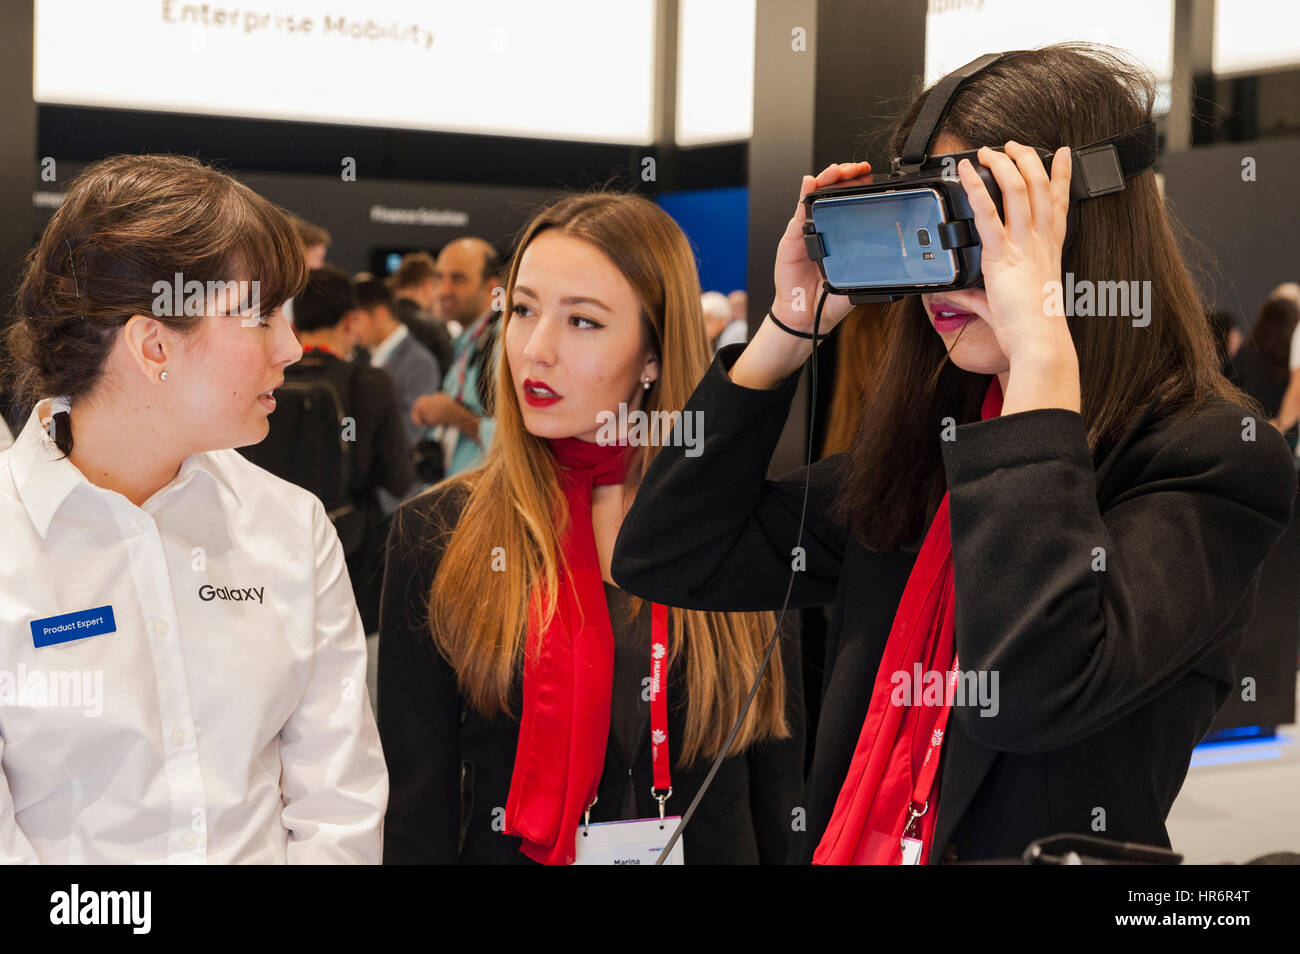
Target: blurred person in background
[(737, 332), (1289, 412), (338, 432), (1227, 341), (315, 242), (717, 315), (414, 286), (468, 270), (413, 369), (1263, 362)]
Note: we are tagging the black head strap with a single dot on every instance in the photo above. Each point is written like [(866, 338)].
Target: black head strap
[(917, 146), (1099, 168)]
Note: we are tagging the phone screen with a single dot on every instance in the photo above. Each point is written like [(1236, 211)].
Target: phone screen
[(884, 239)]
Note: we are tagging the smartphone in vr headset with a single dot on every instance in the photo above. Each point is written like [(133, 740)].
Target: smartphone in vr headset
[(914, 231)]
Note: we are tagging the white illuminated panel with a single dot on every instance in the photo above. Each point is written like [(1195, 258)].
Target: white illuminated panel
[(957, 31), (1255, 35), (562, 69), (715, 71)]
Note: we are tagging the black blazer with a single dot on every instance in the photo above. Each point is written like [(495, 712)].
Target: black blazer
[(1107, 679), (449, 767)]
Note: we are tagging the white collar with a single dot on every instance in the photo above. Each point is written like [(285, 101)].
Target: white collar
[(384, 350), (45, 478)]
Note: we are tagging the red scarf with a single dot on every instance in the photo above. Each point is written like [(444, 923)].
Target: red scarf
[(568, 682), (873, 806)]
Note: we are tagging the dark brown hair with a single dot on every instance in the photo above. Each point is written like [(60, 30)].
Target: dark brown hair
[(1271, 335), (1068, 94), (416, 269), (858, 350), (126, 223)]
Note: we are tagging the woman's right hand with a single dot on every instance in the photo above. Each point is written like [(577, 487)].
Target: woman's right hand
[(798, 280), (772, 354)]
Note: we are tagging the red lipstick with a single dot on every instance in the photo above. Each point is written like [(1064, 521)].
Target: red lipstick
[(947, 317), (539, 394)]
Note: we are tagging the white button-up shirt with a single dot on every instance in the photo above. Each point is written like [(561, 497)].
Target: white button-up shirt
[(224, 718), (384, 350)]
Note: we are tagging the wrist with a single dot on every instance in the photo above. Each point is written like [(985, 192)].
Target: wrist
[(771, 356), (1045, 348)]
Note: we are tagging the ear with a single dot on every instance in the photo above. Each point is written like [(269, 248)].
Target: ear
[(650, 369), (150, 344)]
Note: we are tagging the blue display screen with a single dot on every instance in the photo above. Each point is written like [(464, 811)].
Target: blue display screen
[(883, 239)]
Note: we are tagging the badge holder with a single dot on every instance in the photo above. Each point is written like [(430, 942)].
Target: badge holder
[(635, 842)]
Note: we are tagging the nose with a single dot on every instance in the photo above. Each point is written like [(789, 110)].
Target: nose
[(287, 348), (541, 346)]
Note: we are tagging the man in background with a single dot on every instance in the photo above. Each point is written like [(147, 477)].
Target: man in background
[(413, 368), (414, 287), (315, 240), (467, 273)]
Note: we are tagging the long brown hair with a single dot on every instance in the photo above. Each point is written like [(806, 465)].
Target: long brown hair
[(478, 619), (126, 223), (861, 342), (1067, 94)]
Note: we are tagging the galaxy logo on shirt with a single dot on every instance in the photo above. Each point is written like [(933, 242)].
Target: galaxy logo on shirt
[(235, 594)]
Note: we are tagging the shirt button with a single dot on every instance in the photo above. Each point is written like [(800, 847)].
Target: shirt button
[(161, 627), (178, 735), (191, 840), (137, 526)]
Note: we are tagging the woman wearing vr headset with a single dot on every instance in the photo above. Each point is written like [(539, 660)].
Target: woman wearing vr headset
[(1041, 550), (523, 694), (191, 660)]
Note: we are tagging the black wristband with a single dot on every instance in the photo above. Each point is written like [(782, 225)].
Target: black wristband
[(790, 331)]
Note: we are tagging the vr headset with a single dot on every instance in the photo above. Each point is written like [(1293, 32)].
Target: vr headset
[(914, 232)]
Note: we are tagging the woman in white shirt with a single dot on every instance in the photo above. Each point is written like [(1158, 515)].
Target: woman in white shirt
[(182, 665)]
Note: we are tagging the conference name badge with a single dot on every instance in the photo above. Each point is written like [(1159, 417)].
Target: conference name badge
[(70, 626), (638, 842)]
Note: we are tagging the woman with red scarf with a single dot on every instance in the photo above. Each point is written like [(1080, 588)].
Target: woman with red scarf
[(1043, 547), (524, 699)]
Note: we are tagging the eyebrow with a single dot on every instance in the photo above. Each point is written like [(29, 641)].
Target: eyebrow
[(571, 300)]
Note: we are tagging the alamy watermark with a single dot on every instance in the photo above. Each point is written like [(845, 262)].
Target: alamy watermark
[(652, 428), (179, 297), (62, 689), (1087, 299), (952, 688)]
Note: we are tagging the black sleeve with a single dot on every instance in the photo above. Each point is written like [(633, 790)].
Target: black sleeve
[(483, 359), (392, 467), (440, 344), (1075, 646), (776, 766), (419, 704), (707, 530)]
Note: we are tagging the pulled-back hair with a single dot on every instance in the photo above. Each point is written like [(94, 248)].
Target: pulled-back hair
[(126, 223)]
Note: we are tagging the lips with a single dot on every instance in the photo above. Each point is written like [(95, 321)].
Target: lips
[(947, 317), (539, 393), (267, 397)]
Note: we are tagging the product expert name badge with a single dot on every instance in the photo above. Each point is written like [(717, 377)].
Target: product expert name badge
[(70, 626)]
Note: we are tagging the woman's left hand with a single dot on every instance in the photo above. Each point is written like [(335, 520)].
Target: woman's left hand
[(1021, 264), (1021, 256)]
